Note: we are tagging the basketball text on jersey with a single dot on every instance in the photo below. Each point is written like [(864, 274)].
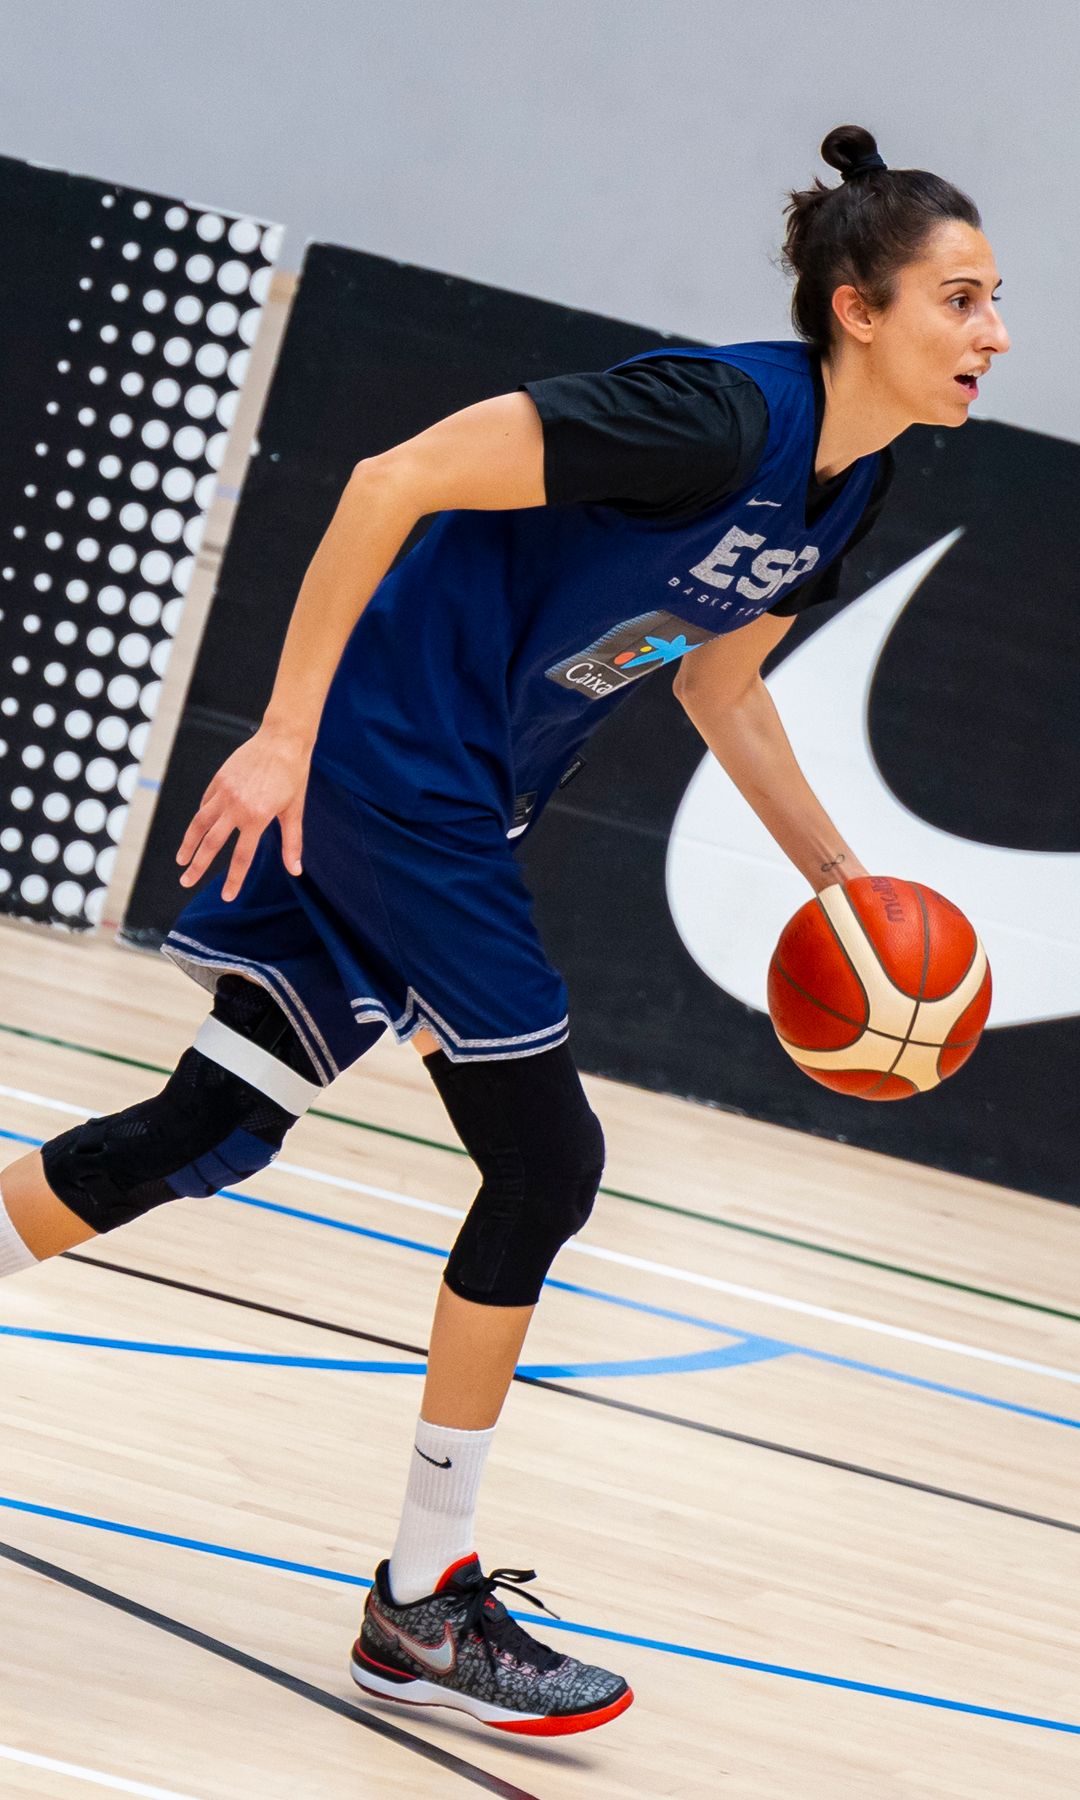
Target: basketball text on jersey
[(769, 572)]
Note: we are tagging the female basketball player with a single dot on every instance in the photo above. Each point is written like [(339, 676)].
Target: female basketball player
[(683, 507)]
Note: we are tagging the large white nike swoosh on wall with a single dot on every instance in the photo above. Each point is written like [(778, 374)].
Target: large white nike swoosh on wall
[(730, 889)]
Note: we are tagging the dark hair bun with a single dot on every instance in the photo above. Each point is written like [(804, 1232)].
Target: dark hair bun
[(847, 145), (860, 232)]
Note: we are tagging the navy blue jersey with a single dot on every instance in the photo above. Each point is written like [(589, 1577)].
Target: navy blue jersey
[(487, 656)]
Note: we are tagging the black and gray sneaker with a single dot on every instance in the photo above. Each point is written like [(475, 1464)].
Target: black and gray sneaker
[(459, 1647)]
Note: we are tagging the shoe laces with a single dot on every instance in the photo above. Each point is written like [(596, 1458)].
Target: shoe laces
[(489, 1620)]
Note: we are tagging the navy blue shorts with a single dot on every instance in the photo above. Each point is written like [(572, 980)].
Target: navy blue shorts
[(390, 924)]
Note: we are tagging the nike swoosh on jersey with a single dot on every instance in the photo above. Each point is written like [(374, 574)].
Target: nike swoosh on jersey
[(776, 503), (1025, 904), (440, 1659)]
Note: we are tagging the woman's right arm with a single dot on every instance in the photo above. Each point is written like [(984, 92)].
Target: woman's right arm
[(488, 456)]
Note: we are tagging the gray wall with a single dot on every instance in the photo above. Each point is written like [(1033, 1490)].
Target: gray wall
[(628, 156)]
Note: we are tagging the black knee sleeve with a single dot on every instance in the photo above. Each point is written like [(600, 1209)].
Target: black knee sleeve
[(538, 1145), (206, 1129)]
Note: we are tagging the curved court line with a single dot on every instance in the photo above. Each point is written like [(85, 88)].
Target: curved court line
[(584, 1394), (784, 1671), (722, 1356), (715, 1325), (645, 1265), (725, 1356), (880, 1372), (667, 1206), (117, 1784)]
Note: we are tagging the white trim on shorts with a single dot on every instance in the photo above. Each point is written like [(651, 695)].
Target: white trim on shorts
[(219, 962), (208, 964), (419, 1016)]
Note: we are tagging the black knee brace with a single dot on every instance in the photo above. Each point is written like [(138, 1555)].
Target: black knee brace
[(538, 1145), (208, 1128)]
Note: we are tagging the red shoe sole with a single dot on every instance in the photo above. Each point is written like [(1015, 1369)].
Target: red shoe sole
[(565, 1724)]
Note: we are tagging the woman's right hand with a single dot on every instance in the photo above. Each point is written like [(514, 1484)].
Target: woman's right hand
[(263, 780)]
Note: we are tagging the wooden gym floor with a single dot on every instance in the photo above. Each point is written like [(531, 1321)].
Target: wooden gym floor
[(798, 1453)]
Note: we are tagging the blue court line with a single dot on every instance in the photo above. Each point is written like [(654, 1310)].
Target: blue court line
[(936, 1387), (779, 1346), (661, 1645), (723, 1356), (645, 1306), (148, 1348), (314, 1218), (784, 1346), (180, 1543), (720, 1356)]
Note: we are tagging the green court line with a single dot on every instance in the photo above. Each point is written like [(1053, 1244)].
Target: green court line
[(664, 1206)]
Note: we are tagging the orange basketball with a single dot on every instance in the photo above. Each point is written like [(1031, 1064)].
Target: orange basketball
[(879, 988)]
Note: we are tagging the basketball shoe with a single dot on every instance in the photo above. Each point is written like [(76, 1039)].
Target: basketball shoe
[(459, 1647)]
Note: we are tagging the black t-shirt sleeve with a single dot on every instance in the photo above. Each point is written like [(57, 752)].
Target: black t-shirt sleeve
[(826, 584), (669, 438), (658, 439)]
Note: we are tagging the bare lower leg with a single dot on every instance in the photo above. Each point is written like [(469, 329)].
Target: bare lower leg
[(44, 1223), (474, 1351)]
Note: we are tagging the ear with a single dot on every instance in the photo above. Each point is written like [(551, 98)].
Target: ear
[(853, 314)]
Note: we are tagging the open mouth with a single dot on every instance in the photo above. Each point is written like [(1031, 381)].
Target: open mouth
[(970, 385)]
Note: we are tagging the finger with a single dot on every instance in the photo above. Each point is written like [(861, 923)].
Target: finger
[(246, 845), (292, 842), (204, 819), (206, 853)]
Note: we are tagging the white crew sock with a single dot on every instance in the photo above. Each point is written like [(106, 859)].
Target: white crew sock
[(436, 1526), (13, 1252)]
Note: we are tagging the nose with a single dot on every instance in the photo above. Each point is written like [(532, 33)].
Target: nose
[(997, 338)]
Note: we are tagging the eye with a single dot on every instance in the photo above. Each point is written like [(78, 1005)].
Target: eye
[(961, 302)]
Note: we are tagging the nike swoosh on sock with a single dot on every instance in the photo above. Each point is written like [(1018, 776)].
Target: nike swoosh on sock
[(445, 1464)]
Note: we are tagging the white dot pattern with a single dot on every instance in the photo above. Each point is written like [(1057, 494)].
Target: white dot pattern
[(138, 389)]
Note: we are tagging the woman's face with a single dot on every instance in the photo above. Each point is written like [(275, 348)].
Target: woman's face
[(942, 329)]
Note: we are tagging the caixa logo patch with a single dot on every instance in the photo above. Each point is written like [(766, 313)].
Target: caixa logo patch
[(627, 652)]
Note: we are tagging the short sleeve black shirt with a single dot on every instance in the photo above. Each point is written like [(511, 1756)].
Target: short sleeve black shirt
[(672, 437)]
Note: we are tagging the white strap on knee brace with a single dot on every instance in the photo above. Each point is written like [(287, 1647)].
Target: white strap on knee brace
[(221, 1045)]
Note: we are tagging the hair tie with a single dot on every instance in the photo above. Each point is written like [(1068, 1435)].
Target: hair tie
[(865, 166)]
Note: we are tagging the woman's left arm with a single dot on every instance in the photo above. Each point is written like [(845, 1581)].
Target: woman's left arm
[(720, 688)]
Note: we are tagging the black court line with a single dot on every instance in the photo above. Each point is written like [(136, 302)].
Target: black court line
[(404, 1740), (259, 1306), (576, 1393), (811, 1456)]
